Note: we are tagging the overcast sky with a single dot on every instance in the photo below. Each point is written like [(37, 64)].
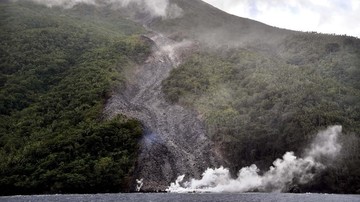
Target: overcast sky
[(326, 16)]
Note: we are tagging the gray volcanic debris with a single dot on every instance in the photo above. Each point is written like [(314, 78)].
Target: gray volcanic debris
[(175, 141)]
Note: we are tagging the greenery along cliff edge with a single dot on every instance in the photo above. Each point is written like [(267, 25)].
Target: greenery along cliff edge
[(56, 70)]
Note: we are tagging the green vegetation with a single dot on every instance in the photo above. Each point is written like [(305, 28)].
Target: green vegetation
[(257, 105), (58, 67), (56, 71)]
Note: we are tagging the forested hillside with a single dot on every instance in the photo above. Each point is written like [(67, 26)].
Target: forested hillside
[(259, 104), (56, 70), (246, 91)]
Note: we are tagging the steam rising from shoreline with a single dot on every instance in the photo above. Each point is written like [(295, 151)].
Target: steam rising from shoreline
[(156, 8), (285, 172)]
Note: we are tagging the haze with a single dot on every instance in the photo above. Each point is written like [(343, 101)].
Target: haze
[(325, 16)]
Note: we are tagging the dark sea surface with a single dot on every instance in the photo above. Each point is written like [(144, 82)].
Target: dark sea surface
[(162, 197)]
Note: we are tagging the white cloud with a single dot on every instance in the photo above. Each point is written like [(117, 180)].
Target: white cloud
[(157, 8), (326, 16), (65, 3)]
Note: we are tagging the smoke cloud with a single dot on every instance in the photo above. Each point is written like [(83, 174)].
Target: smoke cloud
[(285, 172), (156, 8)]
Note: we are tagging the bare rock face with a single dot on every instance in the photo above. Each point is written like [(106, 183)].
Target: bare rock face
[(175, 142)]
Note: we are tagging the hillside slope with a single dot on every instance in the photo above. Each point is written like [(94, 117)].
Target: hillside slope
[(56, 71), (209, 88), (175, 140), (262, 91), (209, 25)]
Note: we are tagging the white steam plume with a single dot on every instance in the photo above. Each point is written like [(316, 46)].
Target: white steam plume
[(139, 184), (290, 170), (157, 8)]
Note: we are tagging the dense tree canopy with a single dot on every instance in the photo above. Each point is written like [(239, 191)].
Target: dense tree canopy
[(56, 72), (58, 67), (257, 105)]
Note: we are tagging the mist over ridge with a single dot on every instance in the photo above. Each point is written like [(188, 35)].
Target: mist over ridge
[(156, 8)]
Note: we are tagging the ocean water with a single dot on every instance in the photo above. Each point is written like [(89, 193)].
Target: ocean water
[(164, 197)]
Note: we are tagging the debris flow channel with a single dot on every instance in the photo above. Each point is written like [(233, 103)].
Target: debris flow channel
[(175, 141)]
